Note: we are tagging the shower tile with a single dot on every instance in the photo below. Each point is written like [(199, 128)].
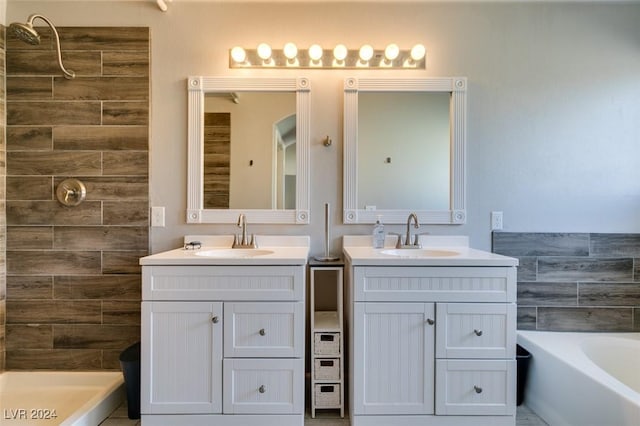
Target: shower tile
[(125, 213), (53, 163), (636, 319), (54, 359), (29, 237), (125, 163), (86, 138), (29, 138), (100, 238), (527, 268), (119, 262), (111, 361), (54, 312), (104, 38), (636, 269), (127, 63), (102, 88), (121, 312), (102, 287), (33, 262), (585, 319), (29, 188), (615, 245), (547, 293), (540, 244), (53, 113), (116, 188), (52, 213), (31, 336), (29, 287), (527, 317), (81, 336), (133, 113), (36, 63), (609, 294), (20, 88), (584, 269)]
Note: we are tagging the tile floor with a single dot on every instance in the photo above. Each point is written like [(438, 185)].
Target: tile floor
[(524, 417)]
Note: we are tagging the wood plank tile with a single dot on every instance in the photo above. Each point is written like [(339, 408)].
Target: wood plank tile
[(101, 138), (125, 213), (82, 336), (125, 163), (121, 312), (547, 294), (53, 163), (585, 319), (29, 188), (121, 113), (55, 113), (527, 316), (636, 319), (609, 294), (38, 63), (122, 262), (584, 269), (52, 213), (540, 244), (53, 262), (31, 336), (29, 237), (29, 138), (115, 188), (100, 237), (126, 63), (29, 287), (102, 287), (22, 88), (111, 361), (101, 88), (54, 312), (54, 359), (104, 38), (527, 268), (615, 245)]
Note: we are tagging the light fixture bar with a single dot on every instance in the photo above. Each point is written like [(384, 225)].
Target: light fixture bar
[(390, 57)]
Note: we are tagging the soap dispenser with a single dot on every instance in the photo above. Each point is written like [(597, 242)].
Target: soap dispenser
[(378, 233)]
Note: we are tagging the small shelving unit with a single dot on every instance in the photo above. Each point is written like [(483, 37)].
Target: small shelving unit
[(327, 336)]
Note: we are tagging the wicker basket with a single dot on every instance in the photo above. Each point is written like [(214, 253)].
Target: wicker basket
[(327, 395), (326, 369), (326, 344)]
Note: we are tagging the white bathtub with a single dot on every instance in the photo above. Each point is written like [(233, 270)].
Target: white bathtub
[(583, 378), (58, 397)]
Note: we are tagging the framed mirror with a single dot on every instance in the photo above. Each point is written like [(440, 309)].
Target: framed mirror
[(404, 150), (248, 152)]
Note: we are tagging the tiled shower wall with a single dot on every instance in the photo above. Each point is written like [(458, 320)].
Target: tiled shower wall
[(73, 280), (3, 238), (575, 281)]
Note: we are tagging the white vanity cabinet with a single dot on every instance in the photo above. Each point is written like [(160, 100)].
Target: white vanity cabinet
[(431, 344), (223, 345)]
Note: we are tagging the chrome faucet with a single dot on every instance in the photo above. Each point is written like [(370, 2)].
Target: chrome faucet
[(407, 239), (241, 241)]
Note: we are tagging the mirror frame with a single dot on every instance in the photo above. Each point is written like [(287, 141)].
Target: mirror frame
[(197, 88), (457, 86)]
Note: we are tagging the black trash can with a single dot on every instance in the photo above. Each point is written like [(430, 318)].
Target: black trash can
[(523, 357), (130, 364)]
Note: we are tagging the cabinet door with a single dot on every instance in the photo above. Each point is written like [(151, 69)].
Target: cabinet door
[(393, 358), (181, 357)]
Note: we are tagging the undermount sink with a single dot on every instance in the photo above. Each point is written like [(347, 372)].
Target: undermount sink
[(418, 253), (233, 253)]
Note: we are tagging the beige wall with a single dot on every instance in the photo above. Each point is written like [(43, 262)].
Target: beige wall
[(553, 111)]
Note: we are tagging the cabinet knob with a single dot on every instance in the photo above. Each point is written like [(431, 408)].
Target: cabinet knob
[(262, 389), (430, 321), (477, 332), (478, 389), (215, 320), (262, 332)]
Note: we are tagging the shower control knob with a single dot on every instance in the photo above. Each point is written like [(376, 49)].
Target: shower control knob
[(71, 192)]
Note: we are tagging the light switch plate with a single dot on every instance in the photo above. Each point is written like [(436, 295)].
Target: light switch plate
[(157, 217)]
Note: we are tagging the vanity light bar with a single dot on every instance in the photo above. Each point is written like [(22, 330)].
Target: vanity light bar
[(339, 57)]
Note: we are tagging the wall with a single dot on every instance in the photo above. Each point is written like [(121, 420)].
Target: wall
[(73, 280), (575, 281)]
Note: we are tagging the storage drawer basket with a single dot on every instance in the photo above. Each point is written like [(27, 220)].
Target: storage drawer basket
[(327, 344), (327, 395), (326, 369)]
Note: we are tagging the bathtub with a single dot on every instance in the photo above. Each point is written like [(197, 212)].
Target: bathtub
[(58, 397), (583, 378)]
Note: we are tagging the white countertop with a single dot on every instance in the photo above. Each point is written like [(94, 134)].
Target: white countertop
[(358, 251), (287, 250)]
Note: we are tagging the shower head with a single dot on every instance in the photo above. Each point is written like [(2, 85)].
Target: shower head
[(28, 34)]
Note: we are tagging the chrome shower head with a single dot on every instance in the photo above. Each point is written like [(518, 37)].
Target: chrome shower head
[(28, 34), (25, 32)]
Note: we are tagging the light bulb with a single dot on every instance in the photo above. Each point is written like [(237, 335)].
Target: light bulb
[(290, 50), (315, 52), (417, 52), (264, 51), (391, 52), (340, 52), (366, 52), (238, 54)]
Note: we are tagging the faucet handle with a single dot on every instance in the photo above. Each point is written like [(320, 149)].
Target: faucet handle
[(399, 241)]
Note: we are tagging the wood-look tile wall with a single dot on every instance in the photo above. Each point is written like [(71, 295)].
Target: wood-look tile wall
[(3, 222), (575, 281), (73, 280)]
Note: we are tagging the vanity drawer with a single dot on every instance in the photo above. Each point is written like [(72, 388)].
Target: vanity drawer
[(475, 330), (195, 282), (475, 387), (434, 284), (263, 386), (261, 330)]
